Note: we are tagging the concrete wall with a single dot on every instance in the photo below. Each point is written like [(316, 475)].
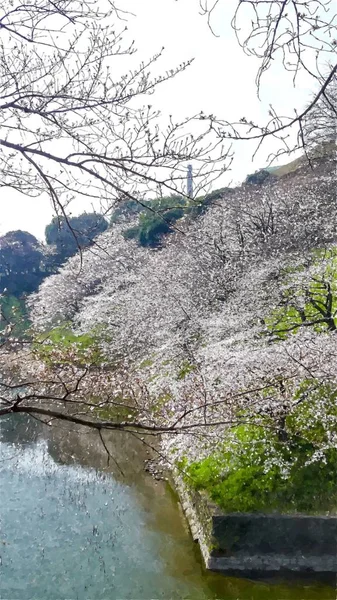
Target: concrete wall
[(274, 542), (275, 534), (258, 543)]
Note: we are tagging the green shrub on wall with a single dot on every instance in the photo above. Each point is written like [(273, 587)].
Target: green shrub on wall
[(258, 469)]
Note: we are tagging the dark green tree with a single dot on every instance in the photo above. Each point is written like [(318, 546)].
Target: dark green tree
[(259, 177), (159, 216), (21, 263), (71, 235), (157, 220), (125, 211)]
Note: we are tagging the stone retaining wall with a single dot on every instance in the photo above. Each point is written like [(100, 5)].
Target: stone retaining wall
[(259, 543)]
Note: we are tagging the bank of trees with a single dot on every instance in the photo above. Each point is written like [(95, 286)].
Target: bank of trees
[(25, 262), (222, 341), (219, 329), (225, 339), (189, 337)]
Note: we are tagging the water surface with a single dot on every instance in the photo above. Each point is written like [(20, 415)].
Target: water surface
[(74, 527)]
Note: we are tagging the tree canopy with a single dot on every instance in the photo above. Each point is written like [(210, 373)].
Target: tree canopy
[(73, 234), (21, 257), (25, 262), (158, 217)]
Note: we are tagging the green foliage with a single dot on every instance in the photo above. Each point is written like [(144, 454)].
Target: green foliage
[(201, 204), (151, 229), (185, 368), (157, 220), (310, 303), (68, 236), (126, 210), (161, 215), (21, 263), (259, 177), (14, 312), (315, 415), (254, 470), (62, 346), (131, 233), (24, 262)]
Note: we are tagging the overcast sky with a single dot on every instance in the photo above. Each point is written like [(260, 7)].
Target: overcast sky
[(220, 81)]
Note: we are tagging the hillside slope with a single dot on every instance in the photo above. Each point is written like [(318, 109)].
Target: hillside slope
[(233, 321)]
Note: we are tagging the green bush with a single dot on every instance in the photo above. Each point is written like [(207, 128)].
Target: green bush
[(125, 210), (131, 233), (254, 470), (157, 220), (161, 215), (61, 345), (258, 178), (14, 311), (67, 236), (200, 205)]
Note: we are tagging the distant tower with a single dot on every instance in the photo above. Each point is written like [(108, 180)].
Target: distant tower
[(189, 181)]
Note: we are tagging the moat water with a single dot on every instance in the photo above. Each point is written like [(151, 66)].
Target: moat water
[(74, 527)]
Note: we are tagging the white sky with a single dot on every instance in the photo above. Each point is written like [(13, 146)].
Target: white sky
[(220, 81)]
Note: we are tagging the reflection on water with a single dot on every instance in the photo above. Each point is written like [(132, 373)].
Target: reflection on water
[(74, 527)]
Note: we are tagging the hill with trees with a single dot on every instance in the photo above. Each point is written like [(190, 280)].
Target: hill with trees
[(158, 217), (222, 340), (221, 336), (25, 262)]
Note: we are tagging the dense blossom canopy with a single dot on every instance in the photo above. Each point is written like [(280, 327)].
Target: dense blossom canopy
[(235, 312)]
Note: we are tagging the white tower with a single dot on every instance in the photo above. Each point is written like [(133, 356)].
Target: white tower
[(189, 181)]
